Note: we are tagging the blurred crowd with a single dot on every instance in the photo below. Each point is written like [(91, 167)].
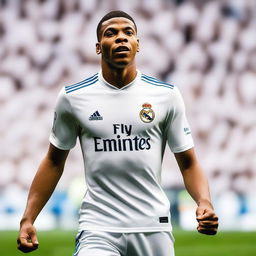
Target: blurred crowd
[(206, 48)]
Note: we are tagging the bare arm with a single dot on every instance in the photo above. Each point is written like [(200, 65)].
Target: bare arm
[(42, 187), (197, 185)]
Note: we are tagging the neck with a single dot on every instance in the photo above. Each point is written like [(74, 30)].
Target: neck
[(119, 77)]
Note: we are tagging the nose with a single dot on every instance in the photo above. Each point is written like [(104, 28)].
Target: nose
[(121, 38)]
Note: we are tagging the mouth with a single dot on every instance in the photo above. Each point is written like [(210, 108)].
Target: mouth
[(121, 49)]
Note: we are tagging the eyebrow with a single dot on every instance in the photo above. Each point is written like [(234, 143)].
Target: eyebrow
[(126, 28), (114, 29), (129, 27)]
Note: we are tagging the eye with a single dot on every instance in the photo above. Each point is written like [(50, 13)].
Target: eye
[(129, 32), (109, 34)]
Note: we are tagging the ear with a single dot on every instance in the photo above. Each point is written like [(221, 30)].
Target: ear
[(98, 48), (138, 45)]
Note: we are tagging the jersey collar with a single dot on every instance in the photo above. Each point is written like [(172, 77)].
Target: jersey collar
[(101, 79)]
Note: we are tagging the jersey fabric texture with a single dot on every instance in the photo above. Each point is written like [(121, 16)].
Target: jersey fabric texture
[(123, 134)]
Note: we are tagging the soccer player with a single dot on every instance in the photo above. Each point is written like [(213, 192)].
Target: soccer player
[(123, 120)]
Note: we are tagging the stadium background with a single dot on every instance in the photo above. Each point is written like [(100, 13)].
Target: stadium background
[(206, 48)]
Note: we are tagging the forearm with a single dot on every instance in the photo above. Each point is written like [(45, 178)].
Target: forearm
[(41, 189), (196, 184), (194, 178)]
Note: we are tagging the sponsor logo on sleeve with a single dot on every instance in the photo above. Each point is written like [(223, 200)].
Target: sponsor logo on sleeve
[(187, 131), (54, 121)]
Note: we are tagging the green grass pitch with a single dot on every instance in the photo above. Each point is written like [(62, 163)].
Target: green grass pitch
[(61, 243)]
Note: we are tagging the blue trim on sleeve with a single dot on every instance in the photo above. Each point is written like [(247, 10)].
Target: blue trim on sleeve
[(82, 85), (156, 82), (82, 82)]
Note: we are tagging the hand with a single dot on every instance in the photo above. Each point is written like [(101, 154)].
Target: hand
[(207, 220), (27, 239)]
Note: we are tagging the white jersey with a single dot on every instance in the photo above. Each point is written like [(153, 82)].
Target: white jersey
[(123, 134)]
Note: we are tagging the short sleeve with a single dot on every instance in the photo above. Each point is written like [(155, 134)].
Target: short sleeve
[(65, 129), (178, 131)]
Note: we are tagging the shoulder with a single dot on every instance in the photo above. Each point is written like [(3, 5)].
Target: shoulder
[(166, 90), (77, 87), (69, 94), (156, 83)]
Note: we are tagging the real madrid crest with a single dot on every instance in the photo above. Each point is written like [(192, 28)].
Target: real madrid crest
[(147, 114)]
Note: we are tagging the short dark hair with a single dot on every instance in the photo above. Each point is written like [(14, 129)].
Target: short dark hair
[(114, 14)]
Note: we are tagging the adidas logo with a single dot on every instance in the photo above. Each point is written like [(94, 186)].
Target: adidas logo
[(95, 116)]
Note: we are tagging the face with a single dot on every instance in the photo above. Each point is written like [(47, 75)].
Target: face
[(118, 42)]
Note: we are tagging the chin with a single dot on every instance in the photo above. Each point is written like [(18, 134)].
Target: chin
[(121, 64)]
